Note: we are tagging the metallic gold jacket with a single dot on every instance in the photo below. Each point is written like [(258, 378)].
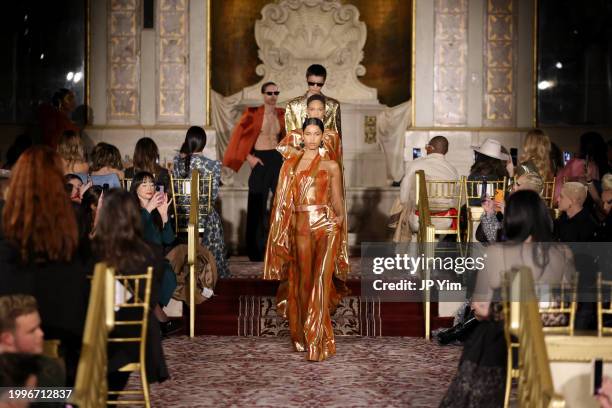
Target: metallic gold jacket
[(295, 114)]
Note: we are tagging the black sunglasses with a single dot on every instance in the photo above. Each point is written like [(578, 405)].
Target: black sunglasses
[(319, 84), (272, 93)]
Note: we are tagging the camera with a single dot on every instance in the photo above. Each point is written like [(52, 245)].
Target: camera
[(159, 188)]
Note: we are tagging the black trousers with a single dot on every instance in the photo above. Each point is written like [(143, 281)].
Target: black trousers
[(263, 179)]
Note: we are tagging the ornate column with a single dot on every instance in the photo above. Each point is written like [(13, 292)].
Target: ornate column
[(123, 61)]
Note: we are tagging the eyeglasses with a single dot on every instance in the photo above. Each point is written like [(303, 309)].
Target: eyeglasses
[(272, 93), (319, 84)]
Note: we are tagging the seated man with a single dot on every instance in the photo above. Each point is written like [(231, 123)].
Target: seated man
[(436, 167), (20, 332), (575, 224)]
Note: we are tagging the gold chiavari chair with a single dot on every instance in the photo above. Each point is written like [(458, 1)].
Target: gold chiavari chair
[(135, 298), (90, 388), (182, 192), (523, 327), (560, 305), (604, 297), (444, 199), (473, 195), (548, 193)]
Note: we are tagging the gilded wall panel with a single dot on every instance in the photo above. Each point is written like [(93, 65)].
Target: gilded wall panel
[(172, 59), (500, 63), (450, 62), (123, 70)]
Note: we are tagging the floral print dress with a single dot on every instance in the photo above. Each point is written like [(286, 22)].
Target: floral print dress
[(212, 237)]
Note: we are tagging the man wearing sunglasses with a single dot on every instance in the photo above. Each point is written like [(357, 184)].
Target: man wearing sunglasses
[(254, 140), (295, 112)]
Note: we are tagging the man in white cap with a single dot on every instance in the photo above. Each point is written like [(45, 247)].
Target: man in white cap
[(436, 167)]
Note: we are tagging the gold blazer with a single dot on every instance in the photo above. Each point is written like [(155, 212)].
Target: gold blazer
[(295, 114)]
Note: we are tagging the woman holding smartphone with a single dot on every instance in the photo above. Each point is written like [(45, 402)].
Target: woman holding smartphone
[(158, 231)]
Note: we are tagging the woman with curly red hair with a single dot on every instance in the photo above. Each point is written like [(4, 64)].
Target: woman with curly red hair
[(39, 248)]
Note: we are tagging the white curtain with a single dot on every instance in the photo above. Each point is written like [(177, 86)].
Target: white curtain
[(391, 125), (225, 112)]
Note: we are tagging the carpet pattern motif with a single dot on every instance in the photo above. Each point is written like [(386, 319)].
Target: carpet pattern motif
[(266, 372), (241, 268)]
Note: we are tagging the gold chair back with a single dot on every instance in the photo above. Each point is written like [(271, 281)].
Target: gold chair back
[(474, 192), (560, 304), (604, 305), (134, 292), (127, 184), (91, 387), (442, 195), (535, 385), (182, 189), (548, 193)]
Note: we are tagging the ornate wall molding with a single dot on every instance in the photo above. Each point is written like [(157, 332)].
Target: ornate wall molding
[(172, 61), (123, 61), (500, 50), (450, 62), (289, 42)]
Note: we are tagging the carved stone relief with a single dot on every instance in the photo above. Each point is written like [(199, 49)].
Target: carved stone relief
[(500, 50), (450, 62), (124, 61), (172, 57)]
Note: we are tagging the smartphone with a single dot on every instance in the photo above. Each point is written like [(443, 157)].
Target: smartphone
[(105, 187), (160, 188), (514, 155), (567, 156), (597, 375), (416, 153)]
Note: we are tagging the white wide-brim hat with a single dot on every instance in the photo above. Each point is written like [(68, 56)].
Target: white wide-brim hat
[(492, 148)]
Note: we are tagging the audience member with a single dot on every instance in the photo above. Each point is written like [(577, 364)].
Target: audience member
[(535, 157), (18, 370), (575, 224), (146, 158), (39, 249), (55, 118), (106, 166), (604, 233), (436, 167), (490, 164), (119, 242), (481, 377), (88, 212), (192, 158), (72, 152), (157, 230)]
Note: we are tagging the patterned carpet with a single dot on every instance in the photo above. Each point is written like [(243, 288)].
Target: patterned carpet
[(265, 372), (241, 268)]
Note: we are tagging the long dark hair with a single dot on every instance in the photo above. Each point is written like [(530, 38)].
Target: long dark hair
[(138, 179), (119, 241), (488, 166), (313, 121), (593, 148), (146, 155), (90, 197), (526, 215), (195, 141)]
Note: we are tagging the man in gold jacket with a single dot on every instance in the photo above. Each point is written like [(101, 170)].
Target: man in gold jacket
[(295, 111)]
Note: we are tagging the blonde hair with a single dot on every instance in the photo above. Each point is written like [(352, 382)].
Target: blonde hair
[(575, 191), (533, 181), (536, 148), (70, 148), (606, 182)]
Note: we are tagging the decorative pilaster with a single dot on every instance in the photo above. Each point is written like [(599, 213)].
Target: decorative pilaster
[(123, 61), (450, 62), (173, 61), (499, 64)]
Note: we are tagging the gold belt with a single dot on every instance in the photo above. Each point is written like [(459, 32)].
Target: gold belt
[(312, 207)]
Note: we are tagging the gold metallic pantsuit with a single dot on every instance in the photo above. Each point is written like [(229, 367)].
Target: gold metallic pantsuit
[(302, 250)]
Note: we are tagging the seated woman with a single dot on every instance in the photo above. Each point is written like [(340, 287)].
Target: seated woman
[(146, 158), (492, 162), (304, 242), (192, 158), (72, 152), (481, 376), (39, 250), (119, 242), (157, 230), (106, 166)]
